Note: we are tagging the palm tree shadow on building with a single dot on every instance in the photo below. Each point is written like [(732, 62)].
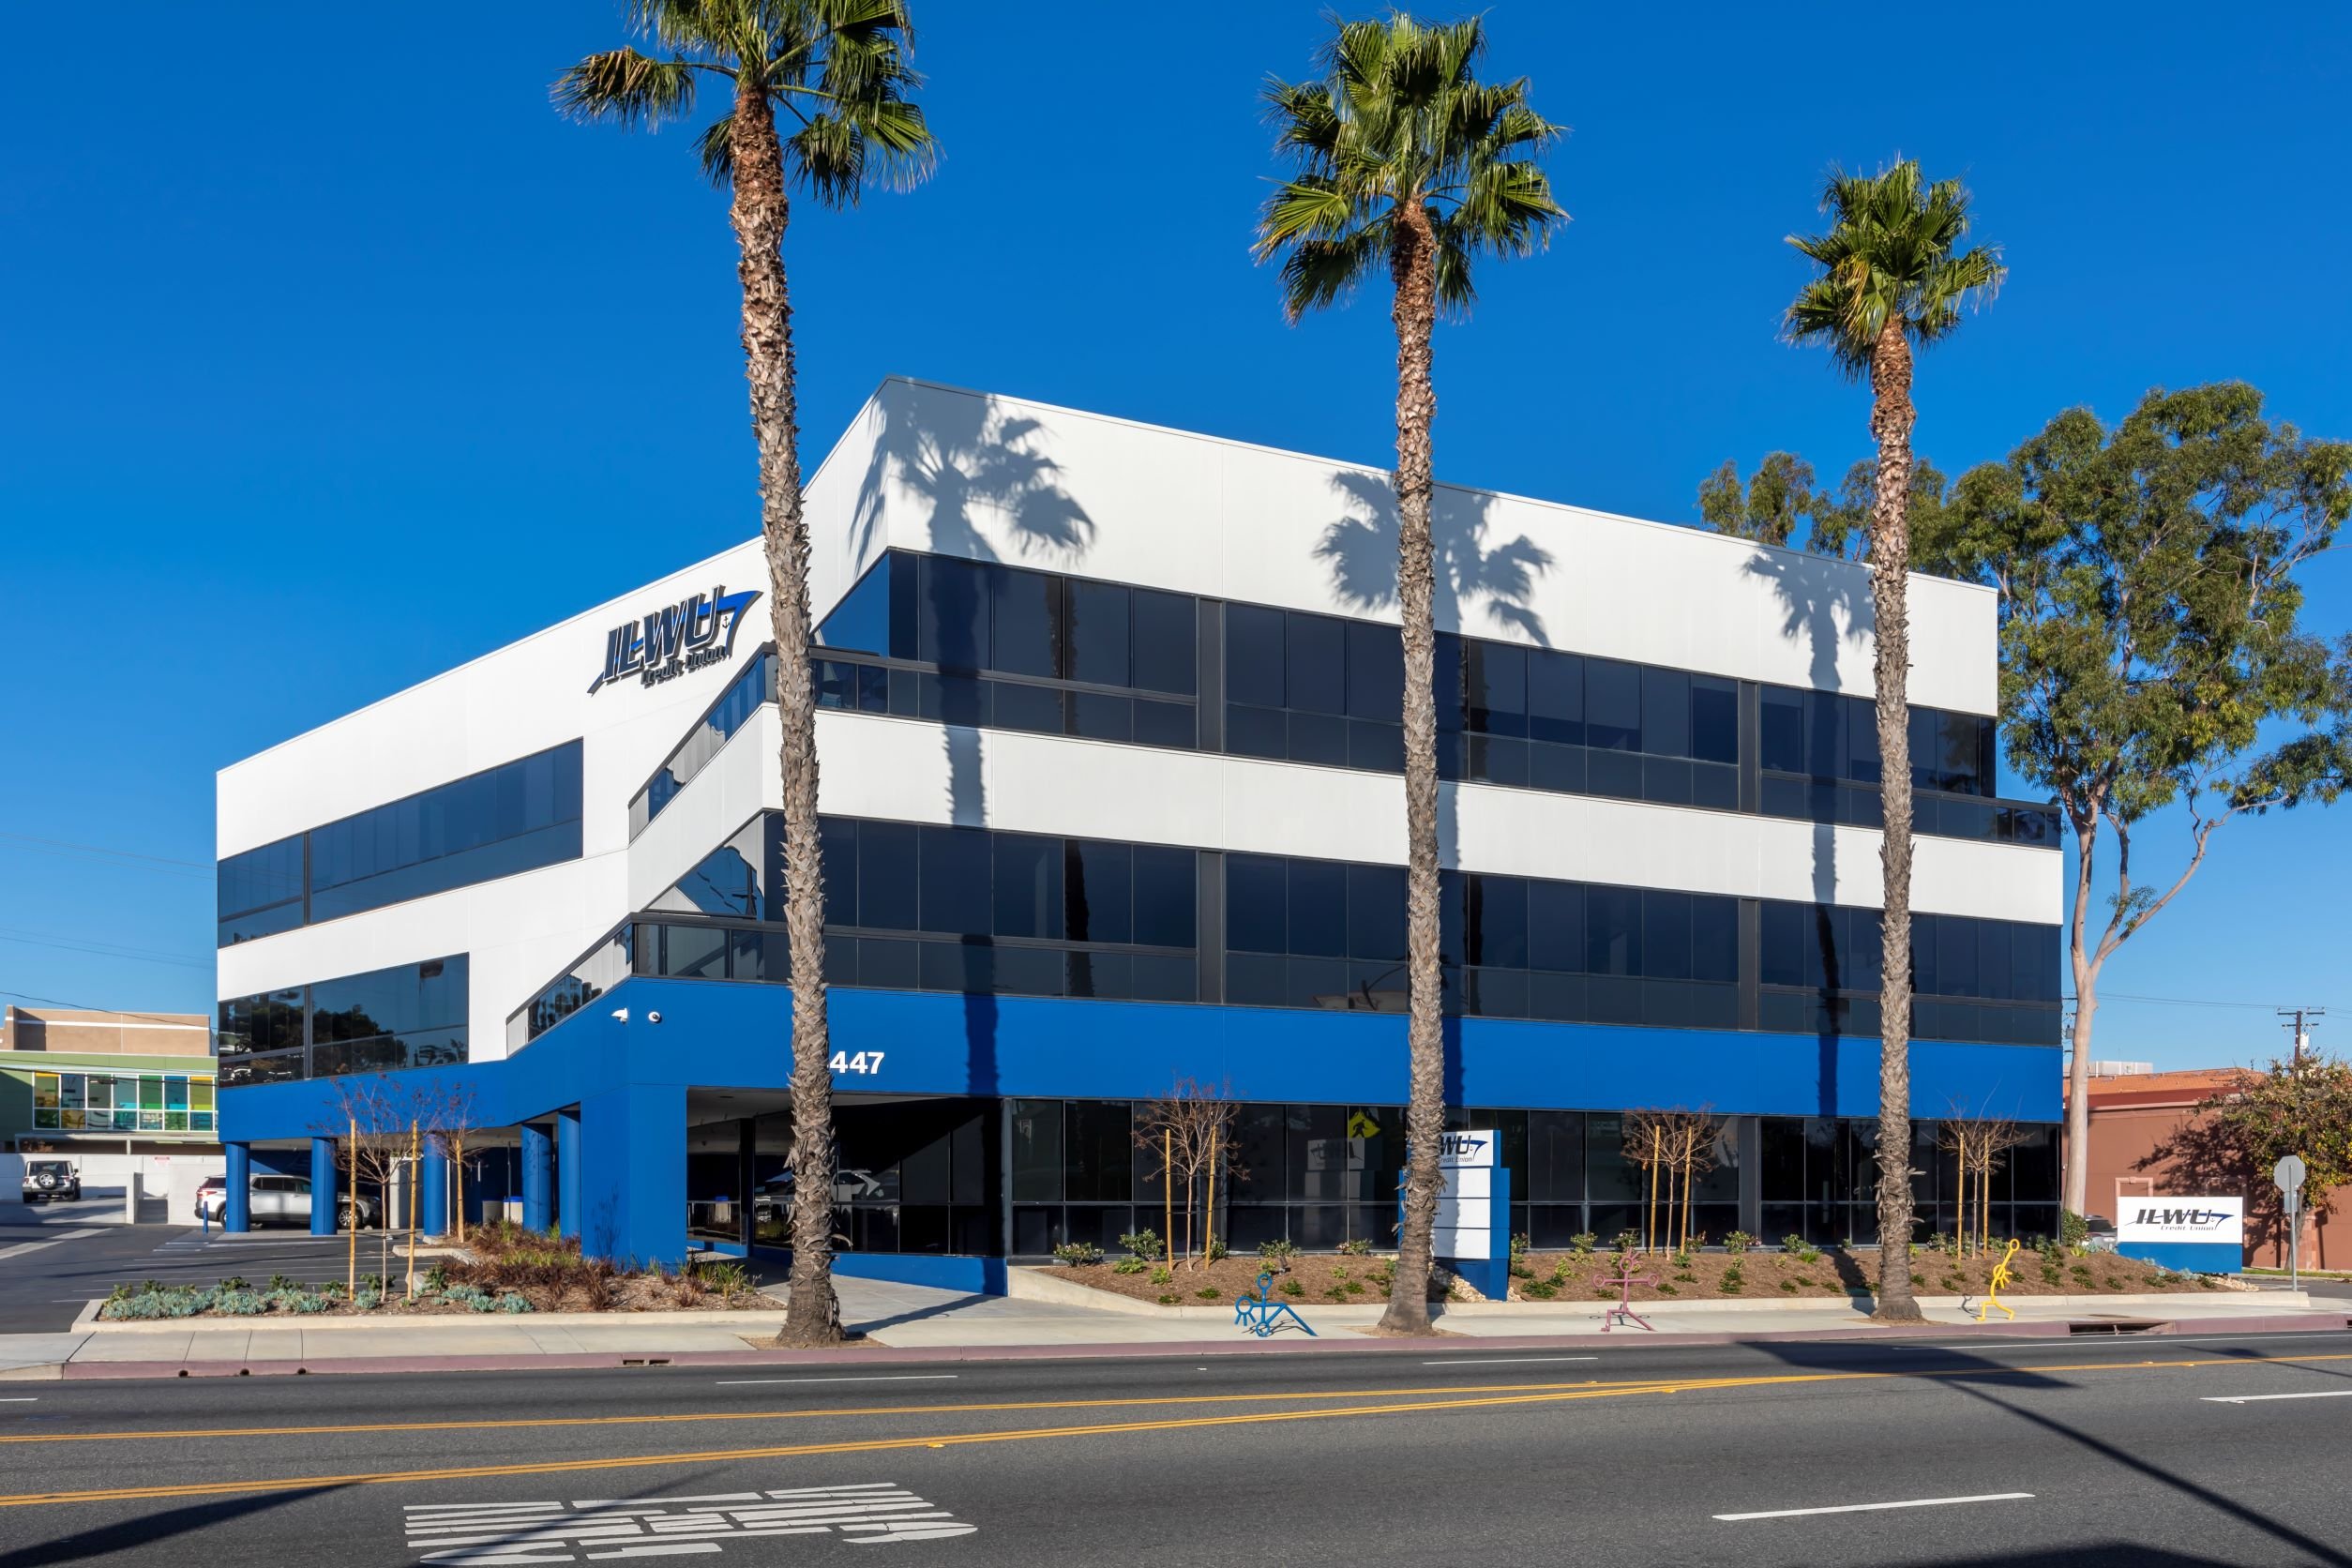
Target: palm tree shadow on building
[(981, 484), (1819, 605), (1470, 580)]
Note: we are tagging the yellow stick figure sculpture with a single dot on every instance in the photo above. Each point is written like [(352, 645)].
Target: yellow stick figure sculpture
[(1993, 1293)]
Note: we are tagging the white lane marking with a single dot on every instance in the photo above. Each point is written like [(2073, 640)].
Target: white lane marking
[(2258, 1398), (881, 1377), (1502, 1360), (541, 1532), (22, 1247), (21, 1399), (1874, 1507)]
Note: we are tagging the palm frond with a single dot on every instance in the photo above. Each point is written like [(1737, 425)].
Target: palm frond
[(1399, 116), (626, 87), (716, 148), (1886, 255)]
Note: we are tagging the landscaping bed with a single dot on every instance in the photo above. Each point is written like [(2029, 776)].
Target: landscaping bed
[(500, 1269), (1833, 1273), (1319, 1279)]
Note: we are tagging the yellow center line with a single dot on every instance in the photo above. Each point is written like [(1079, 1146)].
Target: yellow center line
[(512, 1423), (1553, 1394)]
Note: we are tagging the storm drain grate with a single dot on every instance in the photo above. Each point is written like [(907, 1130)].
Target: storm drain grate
[(644, 1361), (2113, 1326)]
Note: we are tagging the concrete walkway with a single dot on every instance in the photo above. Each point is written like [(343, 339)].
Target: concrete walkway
[(916, 1323)]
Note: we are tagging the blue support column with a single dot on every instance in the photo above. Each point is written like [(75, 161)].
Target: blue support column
[(324, 1207), (632, 1188), (567, 1170), (432, 1195), (538, 1176), (239, 1213)]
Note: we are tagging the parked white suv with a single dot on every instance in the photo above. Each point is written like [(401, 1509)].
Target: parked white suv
[(48, 1179), (278, 1200)]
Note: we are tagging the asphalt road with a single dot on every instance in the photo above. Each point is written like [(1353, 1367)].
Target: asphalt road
[(2118, 1451)]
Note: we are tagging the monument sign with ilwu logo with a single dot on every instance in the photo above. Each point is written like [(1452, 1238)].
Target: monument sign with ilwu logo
[(2198, 1235), (1473, 1229)]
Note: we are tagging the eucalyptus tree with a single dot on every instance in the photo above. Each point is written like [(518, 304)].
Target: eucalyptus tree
[(2152, 651), (835, 74), (1403, 160), (1891, 274)]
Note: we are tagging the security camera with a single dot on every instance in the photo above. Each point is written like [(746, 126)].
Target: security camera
[(622, 1014), (653, 1016)]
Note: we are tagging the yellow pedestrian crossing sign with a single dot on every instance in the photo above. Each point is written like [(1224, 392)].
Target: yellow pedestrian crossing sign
[(1360, 1126)]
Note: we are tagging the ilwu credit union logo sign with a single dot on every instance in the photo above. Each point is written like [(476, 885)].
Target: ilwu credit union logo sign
[(675, 639), (2181, 1219)]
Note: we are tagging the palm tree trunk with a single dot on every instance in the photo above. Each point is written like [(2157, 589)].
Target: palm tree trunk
[(760, 210), (1412, 266), (1891, 420)]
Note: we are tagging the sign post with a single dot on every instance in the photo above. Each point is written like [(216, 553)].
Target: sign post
[(2287, 1175)]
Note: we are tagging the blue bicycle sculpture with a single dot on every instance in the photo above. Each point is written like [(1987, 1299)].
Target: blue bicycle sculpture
[(1261, 1314)]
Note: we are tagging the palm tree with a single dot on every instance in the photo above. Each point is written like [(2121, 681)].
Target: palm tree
[(1404, 159), (1890, 276), (838, 69)]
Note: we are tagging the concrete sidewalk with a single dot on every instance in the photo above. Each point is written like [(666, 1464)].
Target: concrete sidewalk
[(904, 1322)]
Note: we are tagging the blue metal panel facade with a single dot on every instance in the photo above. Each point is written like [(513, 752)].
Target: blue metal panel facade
[(622, 1176)]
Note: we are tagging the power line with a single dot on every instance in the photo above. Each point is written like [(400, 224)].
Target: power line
[(108, 950), (65, 846), (2105, 997)]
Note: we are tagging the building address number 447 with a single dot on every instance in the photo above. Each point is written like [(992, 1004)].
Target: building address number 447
[(862, 1062)]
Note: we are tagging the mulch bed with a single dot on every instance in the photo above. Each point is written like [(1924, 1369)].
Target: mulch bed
[(1320, 1278), (1834, 1273)]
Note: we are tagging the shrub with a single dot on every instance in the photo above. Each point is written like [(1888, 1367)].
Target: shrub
[(1218, 1252), (1166, 1299), (515, 1303), (1129, 1266), (1627, 1241), (1356, 1246), (2073, 1230), (1540, 1289), (1208, 1293), (1077, 1254), (1292, 1287), (1280, 1253), (1665, 1290), (1734, 1279), (1142, 1245), (1160, 1275), (1582, 1243), (282, 1282), (368, 1301), (1789, 1285), (332, 1288), (726, 1280), (436, 1279), (1353, 1287), (235, 1281), (304, 1301), (1738, 1243)]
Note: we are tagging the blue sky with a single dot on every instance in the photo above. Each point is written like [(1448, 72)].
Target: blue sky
[(338, 359)]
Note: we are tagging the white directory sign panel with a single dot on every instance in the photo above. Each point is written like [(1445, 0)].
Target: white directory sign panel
[(2181, 1219), (1466, 1166)]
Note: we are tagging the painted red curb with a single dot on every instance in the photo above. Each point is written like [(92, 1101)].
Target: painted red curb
[(857, 1354)]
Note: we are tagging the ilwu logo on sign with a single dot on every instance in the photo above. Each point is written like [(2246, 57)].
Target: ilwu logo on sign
[(526, 1532), (675, 638), (2181, 1219)]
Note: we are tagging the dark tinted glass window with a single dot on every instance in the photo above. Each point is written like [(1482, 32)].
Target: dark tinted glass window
[(1318, 923), (1555, 696), (1495, 685), (1666, 934), (1612, 918), (862, 619), (1955, 958), (1665, 713), (1256, 900), (1165, 893), (952, 613), (1782, 930), (1166, 636), (1781, 731), (1714, 719), (1029, 875), (1556, 927), (1101, 897), (1612, 705), (886, 876), (1316, 648), (1252, 655), (1376, 911), (1376, 672), (957, 879), (1027, 621), (1715, 938), (1495, 917), (1100, 630)]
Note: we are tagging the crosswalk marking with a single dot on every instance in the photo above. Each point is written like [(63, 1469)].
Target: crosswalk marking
[(485, 1535)]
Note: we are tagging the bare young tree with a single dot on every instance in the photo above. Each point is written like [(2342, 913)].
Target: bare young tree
[(373, 1125), (1189, 1133), (1674, 1147), (1979, 1146), (448, 1118)]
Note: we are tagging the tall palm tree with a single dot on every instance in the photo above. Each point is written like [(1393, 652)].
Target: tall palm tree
[(1891, 274), (837, 71), (1404, 159)]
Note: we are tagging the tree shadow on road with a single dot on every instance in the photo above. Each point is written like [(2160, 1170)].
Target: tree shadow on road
[(148, 1529)]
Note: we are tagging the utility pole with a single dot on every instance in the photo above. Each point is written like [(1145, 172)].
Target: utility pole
[(2296, 1020)]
